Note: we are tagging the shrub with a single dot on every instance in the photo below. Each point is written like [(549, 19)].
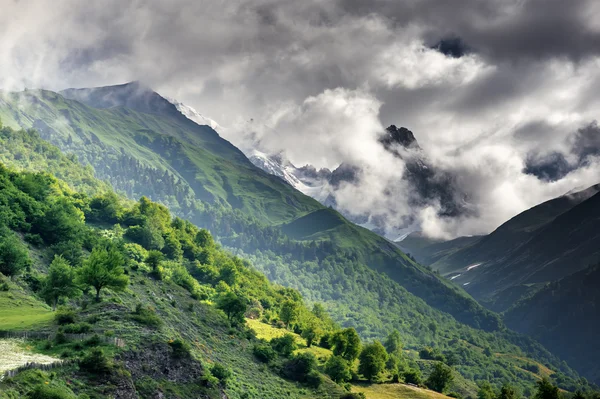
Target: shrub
[(314, 379), (94, 340), (79, 328), (353, 395), (146, 316), (65, 316), (300, 366), (338, 369), (50, 392), (181, 349), (264, 353), (60, 338), (412, 376), (96, 362), (220, 372), (285, 345)]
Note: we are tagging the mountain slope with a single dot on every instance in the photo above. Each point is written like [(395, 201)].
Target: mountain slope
[(565, 316), (428, 251), (546, 242)]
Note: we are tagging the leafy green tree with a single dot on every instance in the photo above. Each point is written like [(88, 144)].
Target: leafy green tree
[(372, 360), (486, 391), (338, 369), (440, 377), (233, 305), (60, 282), (346, 343), (104, 269), (61, 222), (289, 312), (311, 333), (14, 257), (393, 343), (412, 376), (106, 208), (300, 366), (285, 345), (508, 392), (546, 390), (154, 258)]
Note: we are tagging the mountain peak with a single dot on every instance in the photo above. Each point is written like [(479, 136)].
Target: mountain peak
[(402, 136)]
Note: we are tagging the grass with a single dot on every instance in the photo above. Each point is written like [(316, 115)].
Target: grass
[(21, 312), (14, 353), (396, 391)]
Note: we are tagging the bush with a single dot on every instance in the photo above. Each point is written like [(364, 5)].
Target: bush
[(94, 340), (338, 369), (96, 362), (412, 376), (65, 316), (285, 345), (79, 328), (181, 349), (353, 395), (314, 379), (220, 372), (300, 366), (50, 392), (264, 352), (60, 338), (146, 316)]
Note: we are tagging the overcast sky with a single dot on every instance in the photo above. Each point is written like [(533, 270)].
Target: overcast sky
[(492, 89)]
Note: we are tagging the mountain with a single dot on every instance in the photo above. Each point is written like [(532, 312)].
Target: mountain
[(429, 185), (565, 316), (363, 280), (428, 250), (549, 241)]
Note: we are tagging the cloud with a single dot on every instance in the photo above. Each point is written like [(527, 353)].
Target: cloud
[(320, 81)]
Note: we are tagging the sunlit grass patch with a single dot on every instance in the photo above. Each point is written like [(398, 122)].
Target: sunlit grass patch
[(396, 391), (15, 353)]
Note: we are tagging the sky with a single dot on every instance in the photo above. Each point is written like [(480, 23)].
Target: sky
[(500, 93)]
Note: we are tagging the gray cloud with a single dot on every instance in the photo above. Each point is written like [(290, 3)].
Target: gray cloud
[(337, 73)]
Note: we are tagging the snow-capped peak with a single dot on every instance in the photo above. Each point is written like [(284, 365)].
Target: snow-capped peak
[(194, 115)]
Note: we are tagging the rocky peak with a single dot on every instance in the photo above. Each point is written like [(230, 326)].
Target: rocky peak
[(402, 136)]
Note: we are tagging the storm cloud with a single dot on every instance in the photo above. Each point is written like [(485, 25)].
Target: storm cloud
[(489, 88)]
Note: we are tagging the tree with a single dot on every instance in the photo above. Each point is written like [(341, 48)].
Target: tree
[(153, 259), (61, 222), (546, 390), (486, 391), (289, 312), (104, 269), (285, 345), (346, 343), (393, 343), (338, 369), (508, 392), (60, 282), (300, 366), (233, 306), (311, 333), (372, 360), (412, 376), (440, 377), (13, 255)]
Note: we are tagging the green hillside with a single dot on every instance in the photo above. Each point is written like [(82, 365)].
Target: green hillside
[(344, 270), (565, 317)]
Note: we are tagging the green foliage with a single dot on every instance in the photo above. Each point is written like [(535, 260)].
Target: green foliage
[(222, 373), (440, 377), (264, 352), (60, 282), (65, 316), (146, 315), (373, 358), (393, 343), (233, 305), (50, 392), (346, 343), (285, 345), (289, 312), (300, 366), (104, 269), (412, 376), (14, 257), (96, 362), (546, 390), (180, 348), (338, 369), (508, 392)]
